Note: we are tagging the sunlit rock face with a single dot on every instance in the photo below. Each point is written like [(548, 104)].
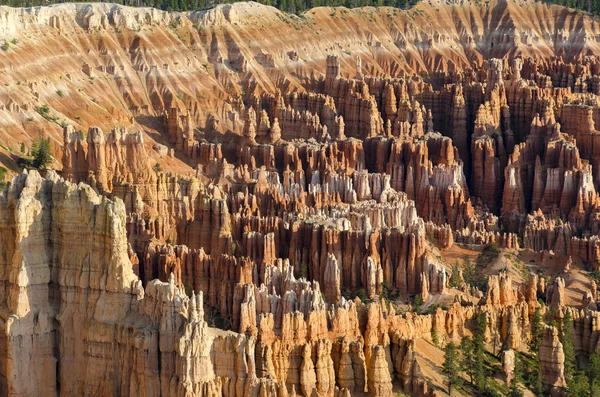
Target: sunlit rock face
[(243, 202)]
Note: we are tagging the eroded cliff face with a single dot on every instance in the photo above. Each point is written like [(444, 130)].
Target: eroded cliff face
[(79, 315), (316, 181), (76, 320)]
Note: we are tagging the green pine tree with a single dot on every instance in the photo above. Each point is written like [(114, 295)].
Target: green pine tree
[(3, 172), (593, 368), (566, 338), (416, 303), (536, 330), (435, 338), (538, 386), (468, 358), (41, 153), (593, 372), (455, 280), (515, 388), (451, 366), (579, 386), (479, 352)]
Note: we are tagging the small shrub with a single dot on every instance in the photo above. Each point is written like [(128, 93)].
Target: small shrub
[(5, 46), (214, 318), (362, 295), (44, 111), (431, 309), (416, 303), (473, 275), (386, 288), (60, 93)]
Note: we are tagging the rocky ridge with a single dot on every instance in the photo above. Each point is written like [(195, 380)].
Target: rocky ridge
[(134, 63)]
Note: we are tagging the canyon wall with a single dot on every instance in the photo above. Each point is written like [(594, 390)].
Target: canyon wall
[(81, 317), (322, 173)]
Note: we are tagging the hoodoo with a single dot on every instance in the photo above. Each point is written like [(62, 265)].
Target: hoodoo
[(241, 201)]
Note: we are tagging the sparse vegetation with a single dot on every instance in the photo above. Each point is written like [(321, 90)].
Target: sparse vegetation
[(474, 274), (360, 294), (214, 318), (44, 111), (60, 93), (479, 365), (487, 256)]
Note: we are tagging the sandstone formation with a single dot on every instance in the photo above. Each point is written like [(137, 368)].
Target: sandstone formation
[(552, 360), (290, 207)]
